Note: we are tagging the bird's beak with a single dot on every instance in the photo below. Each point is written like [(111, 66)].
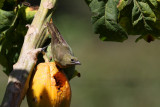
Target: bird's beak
[(77, 63)]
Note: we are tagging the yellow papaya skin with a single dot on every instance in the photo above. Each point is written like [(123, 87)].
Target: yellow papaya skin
[(49, 87)]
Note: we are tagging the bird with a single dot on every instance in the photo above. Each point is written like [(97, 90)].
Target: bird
[(61, 51)]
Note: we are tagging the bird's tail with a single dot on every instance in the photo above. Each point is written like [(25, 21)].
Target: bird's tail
[(55, 34)]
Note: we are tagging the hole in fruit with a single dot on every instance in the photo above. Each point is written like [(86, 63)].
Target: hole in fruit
[(60, 80)]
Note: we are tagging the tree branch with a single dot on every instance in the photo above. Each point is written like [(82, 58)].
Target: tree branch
[(18, 81)]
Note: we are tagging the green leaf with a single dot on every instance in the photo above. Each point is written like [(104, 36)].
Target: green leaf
[(114, 20), (148, 38), (154, 2), (105, 18), (142, 14), (122, 4), (114, 32), (10, 48), (71, 72), (144, 17), (11, 39), (6, 19)]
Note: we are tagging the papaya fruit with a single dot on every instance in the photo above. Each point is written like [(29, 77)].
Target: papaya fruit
[(48, 87)]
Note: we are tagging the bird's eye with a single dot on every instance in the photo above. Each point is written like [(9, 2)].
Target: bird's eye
[(72, 60)]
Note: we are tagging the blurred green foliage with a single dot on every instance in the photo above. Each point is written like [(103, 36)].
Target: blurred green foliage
[(112, 74)]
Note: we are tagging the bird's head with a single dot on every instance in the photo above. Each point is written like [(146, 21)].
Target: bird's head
[(70, 60)]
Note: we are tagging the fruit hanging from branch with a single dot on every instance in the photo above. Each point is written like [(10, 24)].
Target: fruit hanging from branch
[(49, 87)]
